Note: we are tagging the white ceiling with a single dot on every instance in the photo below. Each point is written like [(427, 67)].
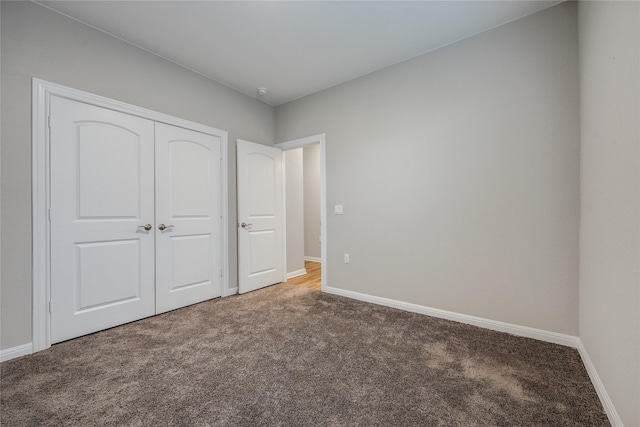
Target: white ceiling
[(293, 48)]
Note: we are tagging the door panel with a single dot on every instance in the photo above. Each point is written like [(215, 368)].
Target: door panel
[(191, 186), (261, 181), (260, 241), (108, 273), (102, 267), (188, 254), (193, 255), (262, 259), (103, 148)]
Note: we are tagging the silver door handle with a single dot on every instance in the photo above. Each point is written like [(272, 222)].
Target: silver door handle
[(245, 225), (163, 227), (146, 227)]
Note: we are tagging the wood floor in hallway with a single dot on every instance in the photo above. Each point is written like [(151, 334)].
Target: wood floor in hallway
[(313, 278)]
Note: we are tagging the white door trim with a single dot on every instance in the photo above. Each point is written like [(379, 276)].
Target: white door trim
[(301, 142), (41, 94)]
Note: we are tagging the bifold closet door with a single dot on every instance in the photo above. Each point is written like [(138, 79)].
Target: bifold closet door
[(102, 216), (188, 217)]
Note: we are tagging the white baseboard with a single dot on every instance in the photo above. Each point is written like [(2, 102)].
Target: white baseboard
[(312, 258), (612, 414), (296, 273), (13, 352), (522, 331), (230, 291)]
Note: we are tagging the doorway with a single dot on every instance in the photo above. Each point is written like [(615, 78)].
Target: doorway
[(304, 186)]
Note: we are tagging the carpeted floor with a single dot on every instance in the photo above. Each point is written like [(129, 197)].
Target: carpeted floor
[(289, 356)]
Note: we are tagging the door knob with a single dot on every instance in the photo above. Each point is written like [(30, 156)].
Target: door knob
[(146, 227), (245, 225), (163, 227)]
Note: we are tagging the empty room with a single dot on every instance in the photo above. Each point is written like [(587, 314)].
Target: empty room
[(340, 213)]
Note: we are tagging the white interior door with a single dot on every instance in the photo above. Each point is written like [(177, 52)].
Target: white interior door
[(260, 216), (188, 204), (102, 257)]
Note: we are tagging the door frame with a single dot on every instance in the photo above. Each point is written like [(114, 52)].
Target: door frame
[(298, 143), (40, 192)]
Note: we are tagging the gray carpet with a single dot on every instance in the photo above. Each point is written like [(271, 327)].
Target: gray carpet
[(289, 356)]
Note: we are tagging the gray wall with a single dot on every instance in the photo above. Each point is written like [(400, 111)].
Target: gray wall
[(459, 174), (610, 198), (37, 42), (294, 193), (312, 245)]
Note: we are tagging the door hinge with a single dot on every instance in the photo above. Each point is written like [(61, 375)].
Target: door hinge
[(49, 121), (49, 307), (49, 214)]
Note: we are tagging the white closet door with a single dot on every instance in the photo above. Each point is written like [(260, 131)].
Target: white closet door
[(102, 172), (188, 250)]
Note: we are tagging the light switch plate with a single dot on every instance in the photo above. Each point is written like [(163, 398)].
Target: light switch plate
[(338, 210)]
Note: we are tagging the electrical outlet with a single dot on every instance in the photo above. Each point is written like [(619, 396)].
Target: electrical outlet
[(346, 258)]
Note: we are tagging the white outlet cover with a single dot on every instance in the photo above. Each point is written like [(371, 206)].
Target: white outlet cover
[(338, 210)]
